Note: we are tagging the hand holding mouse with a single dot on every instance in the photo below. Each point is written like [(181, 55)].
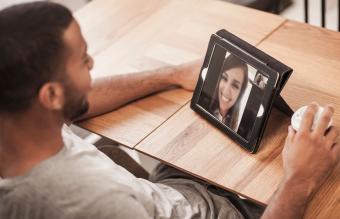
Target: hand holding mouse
[(310, 154), (297, 118)]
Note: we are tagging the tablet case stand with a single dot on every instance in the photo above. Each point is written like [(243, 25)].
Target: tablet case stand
[(280, 104)]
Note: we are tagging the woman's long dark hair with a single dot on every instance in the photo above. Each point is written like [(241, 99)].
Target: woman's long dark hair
[(231, 118)]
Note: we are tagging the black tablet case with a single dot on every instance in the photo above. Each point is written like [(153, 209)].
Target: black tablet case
[(284, 73)]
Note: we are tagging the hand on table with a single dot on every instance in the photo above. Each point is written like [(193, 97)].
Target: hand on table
[(187, 74)]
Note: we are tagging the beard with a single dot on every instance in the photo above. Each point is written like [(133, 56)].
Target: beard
[(76, 103)]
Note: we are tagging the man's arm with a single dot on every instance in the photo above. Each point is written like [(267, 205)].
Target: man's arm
[(308, 158), (112, 92)]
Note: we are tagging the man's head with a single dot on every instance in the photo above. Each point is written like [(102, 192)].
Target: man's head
[(43, 61)]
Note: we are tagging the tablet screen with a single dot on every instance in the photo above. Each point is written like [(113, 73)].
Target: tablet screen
[(233, 91)]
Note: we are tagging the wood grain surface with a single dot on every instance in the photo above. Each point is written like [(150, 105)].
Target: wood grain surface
[(128, 36), (188, 142)]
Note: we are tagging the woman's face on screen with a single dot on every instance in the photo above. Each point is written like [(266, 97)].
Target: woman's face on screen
[(229, 88)]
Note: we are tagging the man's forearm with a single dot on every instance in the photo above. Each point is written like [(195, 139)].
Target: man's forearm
[(111, 92), (289, 201)]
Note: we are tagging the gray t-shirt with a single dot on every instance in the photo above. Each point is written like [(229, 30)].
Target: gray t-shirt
[(81, 182)]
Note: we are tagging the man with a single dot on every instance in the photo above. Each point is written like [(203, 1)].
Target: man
[(48, 172)]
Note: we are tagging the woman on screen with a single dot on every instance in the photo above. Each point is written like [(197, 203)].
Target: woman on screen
[(231, 85)]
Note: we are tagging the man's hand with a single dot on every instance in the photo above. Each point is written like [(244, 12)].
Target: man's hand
[(187, 74), (310, 155)]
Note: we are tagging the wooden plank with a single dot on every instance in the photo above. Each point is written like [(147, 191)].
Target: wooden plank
[(133, 122), (128, 36), (190, 143), (123, 34)]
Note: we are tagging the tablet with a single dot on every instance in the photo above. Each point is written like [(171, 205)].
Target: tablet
[(236, 90)]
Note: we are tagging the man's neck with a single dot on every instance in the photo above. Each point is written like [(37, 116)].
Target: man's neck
[(26, 140)]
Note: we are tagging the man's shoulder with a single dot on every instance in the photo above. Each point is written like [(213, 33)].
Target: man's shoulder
[(23, 200)]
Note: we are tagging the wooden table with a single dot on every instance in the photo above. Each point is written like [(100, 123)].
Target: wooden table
[(188, 142), (128, 36)]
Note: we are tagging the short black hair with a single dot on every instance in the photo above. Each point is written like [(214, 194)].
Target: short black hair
[(31, 51)]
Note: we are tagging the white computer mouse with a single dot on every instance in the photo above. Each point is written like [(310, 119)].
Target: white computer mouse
[(298, 115)]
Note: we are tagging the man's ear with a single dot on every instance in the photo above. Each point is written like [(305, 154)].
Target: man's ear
[(51, 96)]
